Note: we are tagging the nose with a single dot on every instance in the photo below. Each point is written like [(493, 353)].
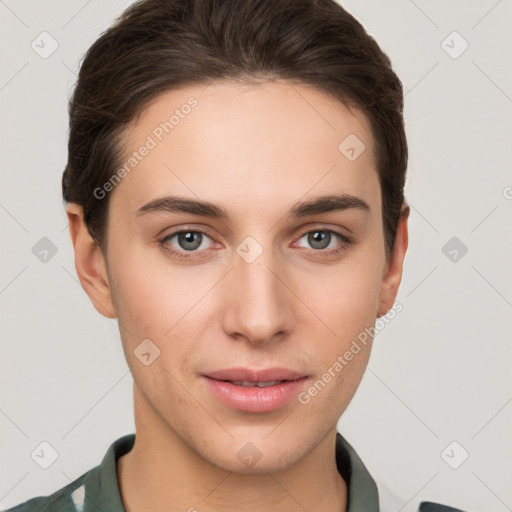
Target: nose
[(259, 303)]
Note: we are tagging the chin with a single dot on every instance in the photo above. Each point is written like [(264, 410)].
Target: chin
[(257, 454)]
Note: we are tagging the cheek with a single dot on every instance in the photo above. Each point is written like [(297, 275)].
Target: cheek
[(153, 304), (164, 303), (345, 297), (348, 307), (149, 296)]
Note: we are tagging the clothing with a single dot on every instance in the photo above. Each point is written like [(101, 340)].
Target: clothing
[(98, 488)]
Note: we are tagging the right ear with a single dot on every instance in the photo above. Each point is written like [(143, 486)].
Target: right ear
[(89, 262)]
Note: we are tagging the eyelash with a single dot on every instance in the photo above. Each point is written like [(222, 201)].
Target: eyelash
[(344, 244)]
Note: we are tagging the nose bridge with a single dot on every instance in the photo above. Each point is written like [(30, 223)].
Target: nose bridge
[(258, 306)]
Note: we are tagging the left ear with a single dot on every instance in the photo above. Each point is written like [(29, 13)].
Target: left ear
[(394, 266)]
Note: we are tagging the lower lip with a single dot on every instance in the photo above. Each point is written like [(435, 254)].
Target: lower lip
[(255, 399)]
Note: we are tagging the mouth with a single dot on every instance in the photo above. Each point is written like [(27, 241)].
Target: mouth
[(249, 384), (241, 375), (255, 391)]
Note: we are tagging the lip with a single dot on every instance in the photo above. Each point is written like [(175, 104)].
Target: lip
[(255, 399), (263, 375)]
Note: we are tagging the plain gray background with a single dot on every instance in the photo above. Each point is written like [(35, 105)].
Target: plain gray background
[(440, 371)]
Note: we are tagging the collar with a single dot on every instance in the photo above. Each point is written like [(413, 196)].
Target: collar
[(102, 487), (362, 490)]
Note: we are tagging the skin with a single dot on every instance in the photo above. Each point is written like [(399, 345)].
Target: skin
[(256, 150)]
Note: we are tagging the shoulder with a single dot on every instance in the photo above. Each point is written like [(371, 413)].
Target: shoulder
[(428, 506), (390, 502), (67, 499), (100, 483), (369, 494)]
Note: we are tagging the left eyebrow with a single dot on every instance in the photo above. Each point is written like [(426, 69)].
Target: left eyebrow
[(329, 203), (324, 204)]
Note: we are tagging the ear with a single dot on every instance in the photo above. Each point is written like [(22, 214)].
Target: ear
[(89, 262), (394, 266)]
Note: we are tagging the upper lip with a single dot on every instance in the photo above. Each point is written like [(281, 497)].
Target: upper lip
[(261, 375)]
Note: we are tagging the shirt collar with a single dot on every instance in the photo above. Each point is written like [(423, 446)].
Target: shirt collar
[(362, 490), (102, 487)]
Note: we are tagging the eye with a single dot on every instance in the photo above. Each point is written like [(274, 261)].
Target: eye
[(188, 243), (326, 240), (182, 242)]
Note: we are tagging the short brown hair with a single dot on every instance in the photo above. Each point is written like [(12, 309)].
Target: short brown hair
[(160, 45)]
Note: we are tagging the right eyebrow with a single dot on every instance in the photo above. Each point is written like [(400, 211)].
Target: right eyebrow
[(174, 204)]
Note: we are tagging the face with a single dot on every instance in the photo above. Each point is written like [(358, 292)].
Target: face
[(268, 282)]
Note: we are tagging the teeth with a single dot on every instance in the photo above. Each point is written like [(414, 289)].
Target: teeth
[(247, 384)]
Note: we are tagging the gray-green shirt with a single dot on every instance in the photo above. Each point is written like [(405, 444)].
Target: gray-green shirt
[(98, 489)]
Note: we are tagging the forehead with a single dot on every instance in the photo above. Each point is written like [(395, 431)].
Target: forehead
[(247, 144)]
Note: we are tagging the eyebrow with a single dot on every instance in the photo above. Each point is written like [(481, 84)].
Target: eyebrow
[(324, 204)]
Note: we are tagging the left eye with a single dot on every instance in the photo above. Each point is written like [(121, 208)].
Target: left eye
[(321, 238)]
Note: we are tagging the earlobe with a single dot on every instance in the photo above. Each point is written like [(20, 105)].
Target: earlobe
[(394, 266), (90, 263)]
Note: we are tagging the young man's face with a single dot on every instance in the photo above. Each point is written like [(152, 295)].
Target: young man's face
[(261, 289)]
